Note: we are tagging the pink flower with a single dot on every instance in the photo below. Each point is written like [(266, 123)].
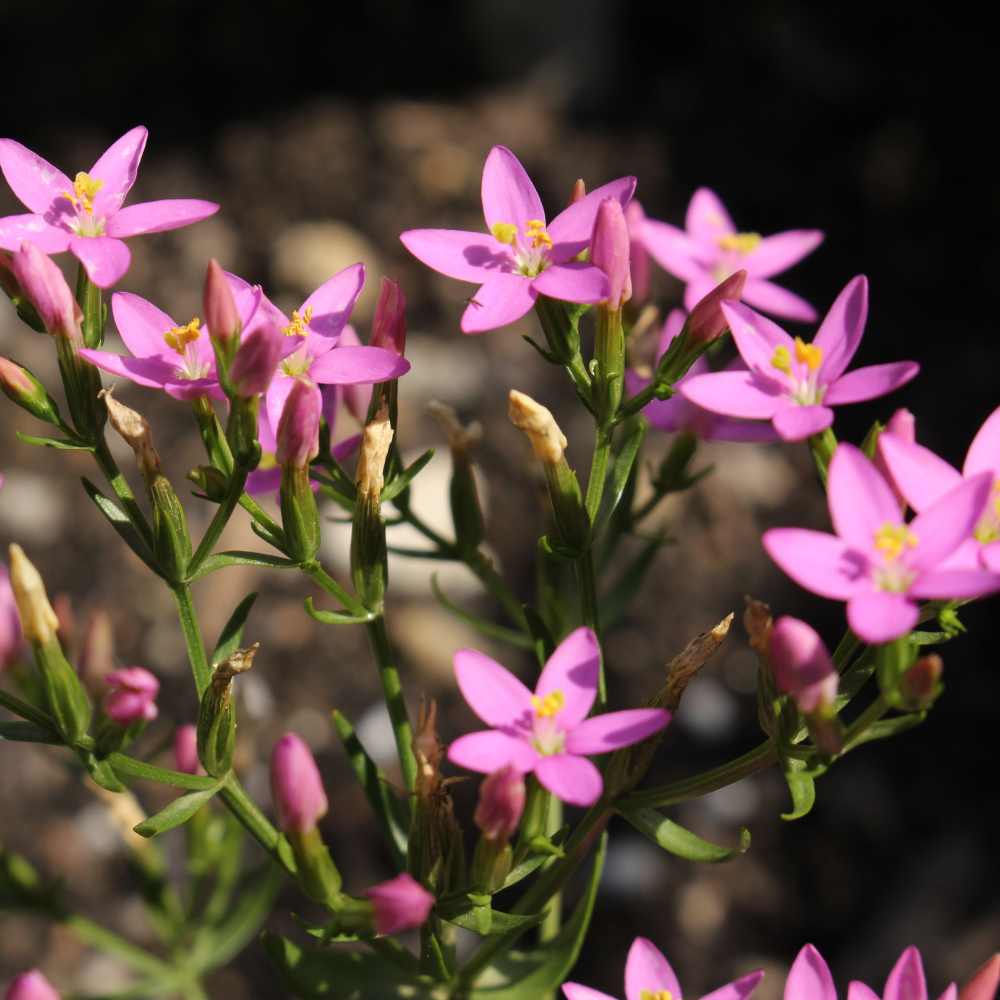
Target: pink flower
[(389, 323), (399, 904), (501, 803), (45, 288), (186, 750), (679, 414), (522, 256), (31, 985), (132, 696), (802, 664), (547, 732), (982, 984), (85, 216), (648, 976), (905, 982), (809, 978), (922, 478), (256, 359), (11, 636), (902, 424), (711, 249), (298, 431), (639, 266), (609, 250), (877, 562), (296, 787), (792, 383)]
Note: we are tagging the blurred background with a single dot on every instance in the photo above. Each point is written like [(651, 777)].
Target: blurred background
[(325, 130)]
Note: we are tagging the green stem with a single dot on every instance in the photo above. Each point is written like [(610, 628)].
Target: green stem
[(100, 937), (122, 490), (216, 445), (88, 296), (237, 481), (549, 927), (192, 637), (598, 470), (633, 405), (864, 721), (236, 800), (258, 513), (315, 572), (586, 583)]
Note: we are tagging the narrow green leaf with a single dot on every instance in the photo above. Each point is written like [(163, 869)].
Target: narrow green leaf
[(54, 443), (674, 838), (619, 598), (490, 629), (530, 863), (325, 932), (548, 355), (885, 728), (392, 816), (334, 617), (542, 640), (179, 811), (618, 479), (28, 732), (139, 769), (232, 632), (22, 708), (801, 784), (853, 679), (501, 923), (245, 919), (403, 480), (121, 524), (237, 558), (929, 638), (261, 532), (99, 770)]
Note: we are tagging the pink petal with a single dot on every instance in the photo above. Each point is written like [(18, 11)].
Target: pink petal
[(466, 256), (265, 433), (508, 194), (950, 992), (573, 669), (796, 423), (778, 301), (674, 251), (152, 372), (248, 298), (573, 779), (35, 181), (502, 300), (675, 321), (984, 452), (736, 394), (346, 447), (489, 750), (117, 167), (778, 253), (697, 289), (906, 981), (276, 395), (860, 499), (572, 228), (859, 991), (104, 259), (744, 433), (955, 584), (757, 338), (648, 969), (809, 978), (15, 229), (574, 991), (943, 526), (141, 325), (357, 365), (707, 218), (921, 476), (881, 615), (157, 216), (815, 560), (576, 281), (971, 554), (840, 332), (333, 301), (493, 692), (739, 989), (870, 383), (990, 555), (604, 733), (262, 481)]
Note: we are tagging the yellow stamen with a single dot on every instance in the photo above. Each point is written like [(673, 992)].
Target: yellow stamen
[(658, 995), (267, 460), (177, 338), (893, 538), (298, 325), (85, 189), (504, 232), (782, 359), (740, 242), (535, 229), (808, 354), (553, 702)]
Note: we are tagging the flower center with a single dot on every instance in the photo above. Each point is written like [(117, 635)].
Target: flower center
[(177, 338), (85, 189), (805, 389), (894, 541), (658, 995), (988, 528), (297, 327), (742, 243), (547, 739), (551, 704), (530, 257)]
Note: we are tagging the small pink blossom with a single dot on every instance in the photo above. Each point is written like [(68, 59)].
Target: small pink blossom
[(256, 359), (30, 985), (45, 288), (296, 786), (399, 904), (132, 696), (905, 982), (802, 664), (389, 322), (547, 732), (501, 803), (222, 314), (298, 431), (186, 750), (609, 250)]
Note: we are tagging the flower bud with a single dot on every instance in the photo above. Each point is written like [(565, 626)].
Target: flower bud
[(11, 636), (921, 683), (389, 324), (609, 250), (134, 430), (640, 268), (369, 558), (296, 785), (298, 428), (982, 984), (211, 480), (21, 387), (186, 750), (707, 322), (217, 714), (132, 696), (579, 191), (537, 422), (31, 985), (45, 288), (501, 803), (221, 314), (38, 621), (96, 657), (256, 360), (802, 665), (399, 904), (12, 289)]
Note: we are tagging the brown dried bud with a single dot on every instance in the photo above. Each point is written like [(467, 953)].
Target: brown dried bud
[(235, 663), (374, 448), (538, 423), (579, 191), (134, 429), (757, 621), (39, 622), (684, 666), (463, 441), (428, 750)]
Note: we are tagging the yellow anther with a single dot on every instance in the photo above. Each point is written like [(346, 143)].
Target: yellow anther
[(177, 338), (893, 538), (740, 242), (267, 460), (552, 703), (782, 359), (298, 325), (85, 189), (808, 354), (658, 995), (504, 232), (535, 230)]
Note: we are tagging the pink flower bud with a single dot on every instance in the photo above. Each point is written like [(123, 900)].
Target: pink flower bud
[(921, 684), (902, 424), (11, 636), (399, 904), (296, 787), (389, 324), (579, 191), (982, 984), (298, 428), (31, 985), (45, 288), (357, 398), (609, 250), (132, 696), (802, 665), (14, 382), (186, 750), (256, 360), (707, 322), (501, 803), (639, 265), (221, 315)]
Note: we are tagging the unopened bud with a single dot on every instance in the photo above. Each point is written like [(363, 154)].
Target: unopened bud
[(38, 621), (609, 250), (982, 984), (298, 428), (640, 267), (579, 191), (212, 481), (45, 288), (501, 803), (186, 750), (21, 387), (538, 423), (222, 317), (296, 786), (921, 684), (707, 322), (12, 289), (389, 324), (399, 904), (134, 430), (31, 985), (256, 360), (132, 696), (217, 714), (802, 664)]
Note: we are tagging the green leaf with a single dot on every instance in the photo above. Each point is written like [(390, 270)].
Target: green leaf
[(501, 923), (22, 708), (674, 838), (537, 973), (623, 591), (420, 553), (526, 867), (325, 932), (99, 770), (403, 480), (238, 558), (261, 532), (232, 632), (28, 732), (392, 816), (179, 811), (340, 974), (615, 486), (55, 443), (490, 629), (121, 524), (542, 640), (335, 617), (800, 783), (929, 638), (548, 355), (885, 728), (140, 769), (853, 679)]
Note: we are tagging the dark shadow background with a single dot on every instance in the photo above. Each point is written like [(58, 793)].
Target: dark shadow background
[(873, 121)]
